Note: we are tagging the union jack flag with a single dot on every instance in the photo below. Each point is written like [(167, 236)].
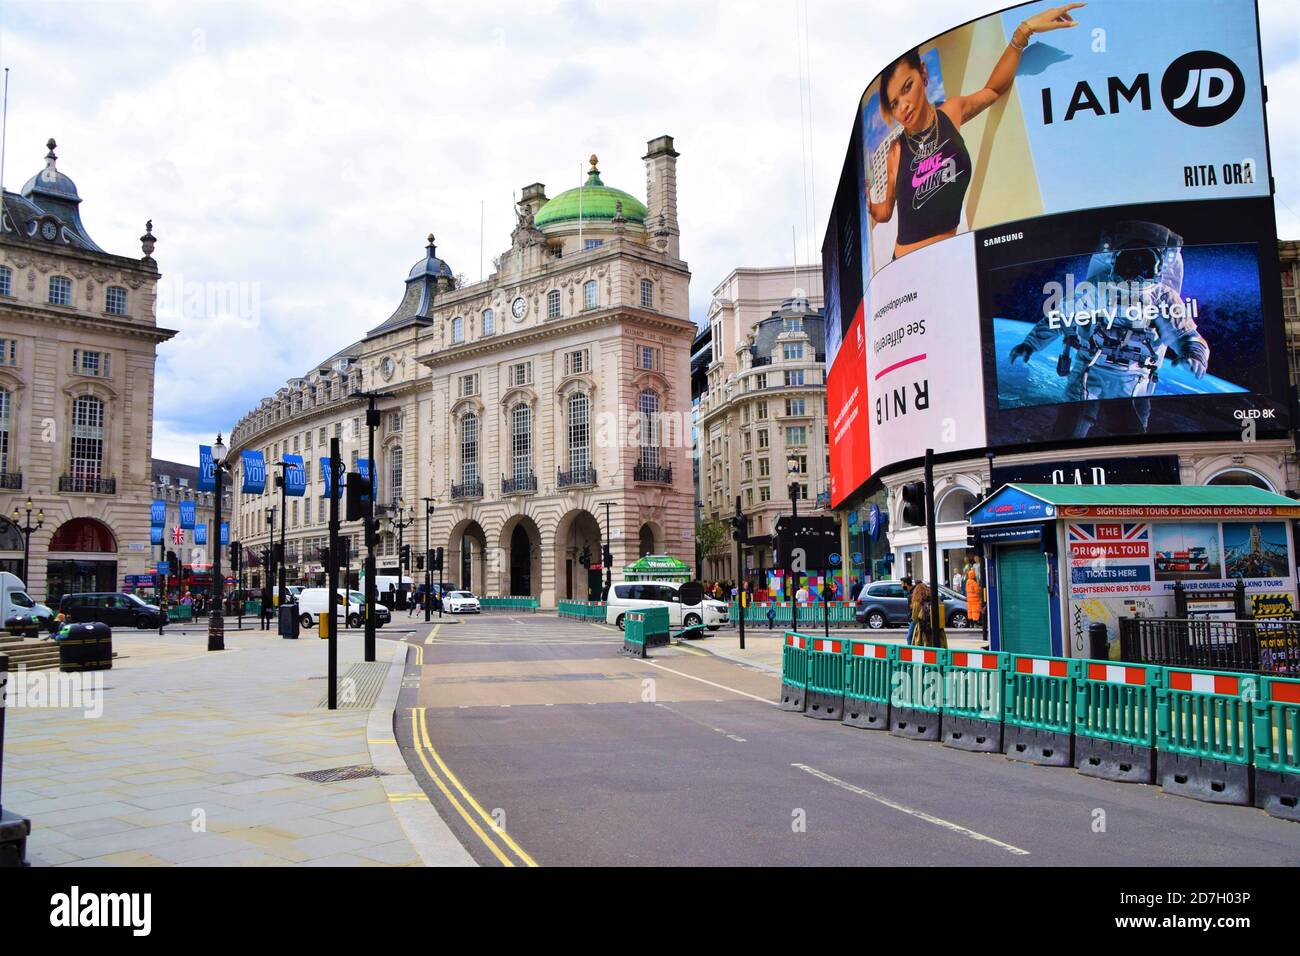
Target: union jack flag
[(178, 535), (1127, 531)]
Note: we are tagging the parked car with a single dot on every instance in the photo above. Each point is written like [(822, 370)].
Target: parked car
[(112, 608), (350, 608), (886, 604), (638, 595), (461, 602)]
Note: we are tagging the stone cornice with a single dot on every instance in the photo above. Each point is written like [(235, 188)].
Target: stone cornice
[(319, 414), (70, 318), (597, 318), (69, 252)]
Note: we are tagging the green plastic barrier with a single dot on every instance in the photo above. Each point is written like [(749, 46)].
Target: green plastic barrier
[(253, 607), (825, 684), (1038, 713), (867, 669), (1277, 748), (916, 691), (582, 610), (1204, 734), (1115, 710), (509, 603), (644, 629), (794, 672), (973, 701), (180, 612)]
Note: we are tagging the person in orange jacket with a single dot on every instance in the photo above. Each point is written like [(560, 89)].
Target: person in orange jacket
[(974, 597)]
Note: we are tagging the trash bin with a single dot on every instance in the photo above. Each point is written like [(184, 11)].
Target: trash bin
[(289, 620), (23, 625), (1098, 642), (87, 647)]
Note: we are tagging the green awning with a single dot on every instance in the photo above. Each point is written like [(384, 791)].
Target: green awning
[(1217, 496), (658, 567)]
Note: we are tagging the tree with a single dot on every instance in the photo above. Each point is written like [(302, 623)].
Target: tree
[(709, 535)]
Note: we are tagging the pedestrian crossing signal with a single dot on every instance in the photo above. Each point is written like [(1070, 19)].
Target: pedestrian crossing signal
[(914, 503)]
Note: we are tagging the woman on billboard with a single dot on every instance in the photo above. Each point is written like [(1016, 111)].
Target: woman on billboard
[(928, 167)]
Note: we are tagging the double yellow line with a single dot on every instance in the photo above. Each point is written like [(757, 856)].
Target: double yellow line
[(489, 833)]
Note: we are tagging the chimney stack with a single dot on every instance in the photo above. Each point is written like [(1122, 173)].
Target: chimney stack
[(661, 195)]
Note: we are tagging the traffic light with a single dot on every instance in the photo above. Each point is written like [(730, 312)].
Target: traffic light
[(235, 553), (740, 528), (358, 490), (173, 564), (406, 555), (277, 554), (914, 503), (419, 562), (585, 558), (608, 557), (437, 559)]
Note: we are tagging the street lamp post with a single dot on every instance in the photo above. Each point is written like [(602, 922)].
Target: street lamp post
[(428, 591), (268, 586), (281, 481), (27, 531), (216, 621)]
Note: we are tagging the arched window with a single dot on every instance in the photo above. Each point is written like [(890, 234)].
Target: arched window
[(60, 290), (83, 534), (469, 449), (521, 442), (457, 330), (5, 402), (579, 434), (589, 294), (115, 300), (553, 304), (954, 505), (395, 472), (647, 294), (649, 427), (87, 450), (1240, 476), (489, 322)]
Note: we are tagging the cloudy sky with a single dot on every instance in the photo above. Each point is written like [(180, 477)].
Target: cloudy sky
[(297, 154)]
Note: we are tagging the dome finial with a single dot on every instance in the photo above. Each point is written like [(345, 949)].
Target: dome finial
[(593, 160), (50, 158), (431, 247)]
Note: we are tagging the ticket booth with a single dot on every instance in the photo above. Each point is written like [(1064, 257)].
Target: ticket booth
[(1060, 559)]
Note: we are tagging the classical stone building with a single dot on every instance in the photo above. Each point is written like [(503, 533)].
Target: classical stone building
[(173, 483), (78, 339), (542, 412), (762, 407)]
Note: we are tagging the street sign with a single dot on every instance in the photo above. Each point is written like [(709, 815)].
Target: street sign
[(835, 560), (857, 557)]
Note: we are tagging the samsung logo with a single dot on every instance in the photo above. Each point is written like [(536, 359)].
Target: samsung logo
[(998, 240)]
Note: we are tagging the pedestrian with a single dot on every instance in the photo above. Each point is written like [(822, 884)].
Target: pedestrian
[(908, 587), (801, 596), (919, 606), (974, 599), (855, 590), (958, 578)]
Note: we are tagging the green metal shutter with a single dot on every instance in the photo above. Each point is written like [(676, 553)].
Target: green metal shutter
[(1022, 601)]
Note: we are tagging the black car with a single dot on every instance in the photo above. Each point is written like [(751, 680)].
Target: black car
[(886, 604), (112, 608)]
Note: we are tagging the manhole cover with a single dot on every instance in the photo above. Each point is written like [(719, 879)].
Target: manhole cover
[(337, 774)]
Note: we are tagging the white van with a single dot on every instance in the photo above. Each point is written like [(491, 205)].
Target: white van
[(15, 602), (639, 595), (350, 608)]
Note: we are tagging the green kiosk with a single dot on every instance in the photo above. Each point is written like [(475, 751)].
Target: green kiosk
[(1060, 559)]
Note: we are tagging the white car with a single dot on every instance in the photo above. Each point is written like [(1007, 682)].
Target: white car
[(461, 602), (638, 595)]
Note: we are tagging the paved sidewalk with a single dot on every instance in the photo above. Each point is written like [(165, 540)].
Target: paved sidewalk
[(194, 757), (763, 647)]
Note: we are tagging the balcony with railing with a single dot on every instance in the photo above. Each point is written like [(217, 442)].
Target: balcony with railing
[(73, 484), (11, 480), (519, 485), (577, 478), (467, 490), (652, 471)]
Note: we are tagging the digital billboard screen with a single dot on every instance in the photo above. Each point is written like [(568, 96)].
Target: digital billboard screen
[(1070, 148)]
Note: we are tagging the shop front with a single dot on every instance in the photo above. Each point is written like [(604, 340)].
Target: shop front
[(1062, 559)]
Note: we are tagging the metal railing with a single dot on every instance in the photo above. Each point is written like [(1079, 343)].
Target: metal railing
[(88, 486), (515, 486), (647, 472), (11, 480), (1262, 645), (576, 477), (468, 489)]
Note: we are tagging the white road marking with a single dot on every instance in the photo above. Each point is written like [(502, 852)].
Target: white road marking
[(709, 682), (919, 814)]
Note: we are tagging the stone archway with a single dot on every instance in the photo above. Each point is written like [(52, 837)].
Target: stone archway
[(576, 530), (465, 564), (650, 540), (82, 556), (521, 547)]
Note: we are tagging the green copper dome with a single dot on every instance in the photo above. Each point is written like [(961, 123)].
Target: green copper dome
[(591, 202)]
